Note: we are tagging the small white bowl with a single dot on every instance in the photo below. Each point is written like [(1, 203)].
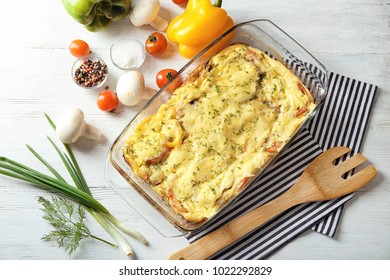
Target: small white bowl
[(97, 76), (127, 53)]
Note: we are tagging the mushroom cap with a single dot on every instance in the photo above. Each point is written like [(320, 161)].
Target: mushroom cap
[(130, 87), (144, 11), (70, 125)]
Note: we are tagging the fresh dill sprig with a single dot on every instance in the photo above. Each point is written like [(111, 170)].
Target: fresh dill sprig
[(67, 219)]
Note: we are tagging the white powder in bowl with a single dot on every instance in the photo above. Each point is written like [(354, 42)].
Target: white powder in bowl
[(128, 54)]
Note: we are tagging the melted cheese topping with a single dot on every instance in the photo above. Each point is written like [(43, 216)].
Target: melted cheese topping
[(219, 128)]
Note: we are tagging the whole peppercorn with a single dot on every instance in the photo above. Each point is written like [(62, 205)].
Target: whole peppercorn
[(90, 73)]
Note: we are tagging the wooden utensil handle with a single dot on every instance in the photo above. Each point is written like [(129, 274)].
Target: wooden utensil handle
[(232, 231)]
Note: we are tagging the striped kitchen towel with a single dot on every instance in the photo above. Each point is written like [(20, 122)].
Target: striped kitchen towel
[(342, 120)]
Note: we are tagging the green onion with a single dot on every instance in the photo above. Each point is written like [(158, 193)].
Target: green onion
[(19, 171)]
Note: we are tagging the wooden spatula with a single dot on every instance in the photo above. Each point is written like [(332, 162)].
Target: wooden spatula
[(322, 180)]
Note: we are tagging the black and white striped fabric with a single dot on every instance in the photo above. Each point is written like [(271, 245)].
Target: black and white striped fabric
[(342, 120)]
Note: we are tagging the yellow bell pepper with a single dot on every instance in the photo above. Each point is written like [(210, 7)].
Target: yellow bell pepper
[(199, 25)]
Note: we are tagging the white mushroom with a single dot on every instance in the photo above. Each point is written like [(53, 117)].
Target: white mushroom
[(146, 12), (71, 125), (130, 87)]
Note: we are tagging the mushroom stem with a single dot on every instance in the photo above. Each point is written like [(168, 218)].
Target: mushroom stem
[(91, 132), (159, 23)]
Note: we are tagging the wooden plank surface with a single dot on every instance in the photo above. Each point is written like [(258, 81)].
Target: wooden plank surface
[(350, 37)]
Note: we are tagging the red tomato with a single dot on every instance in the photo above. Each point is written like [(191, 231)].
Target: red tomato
[(180, 2), (107, 101), (156, 43), (79, 48), (165, 76)]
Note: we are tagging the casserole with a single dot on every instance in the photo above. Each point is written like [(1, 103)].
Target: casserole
[(259, 34)]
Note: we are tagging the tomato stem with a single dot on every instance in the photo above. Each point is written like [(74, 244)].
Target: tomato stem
[(152, 38)]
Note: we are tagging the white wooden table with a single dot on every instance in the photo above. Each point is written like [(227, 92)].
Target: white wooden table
[(350, 37)]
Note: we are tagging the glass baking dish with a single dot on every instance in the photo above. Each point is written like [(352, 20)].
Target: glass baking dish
[(262, 34)]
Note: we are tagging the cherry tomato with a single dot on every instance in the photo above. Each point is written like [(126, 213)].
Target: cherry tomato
[(107, 101), (156, 43), (180, 2), (165, 76), (79, 48)]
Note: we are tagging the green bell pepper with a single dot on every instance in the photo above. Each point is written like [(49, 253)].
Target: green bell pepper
[(97, 15)]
